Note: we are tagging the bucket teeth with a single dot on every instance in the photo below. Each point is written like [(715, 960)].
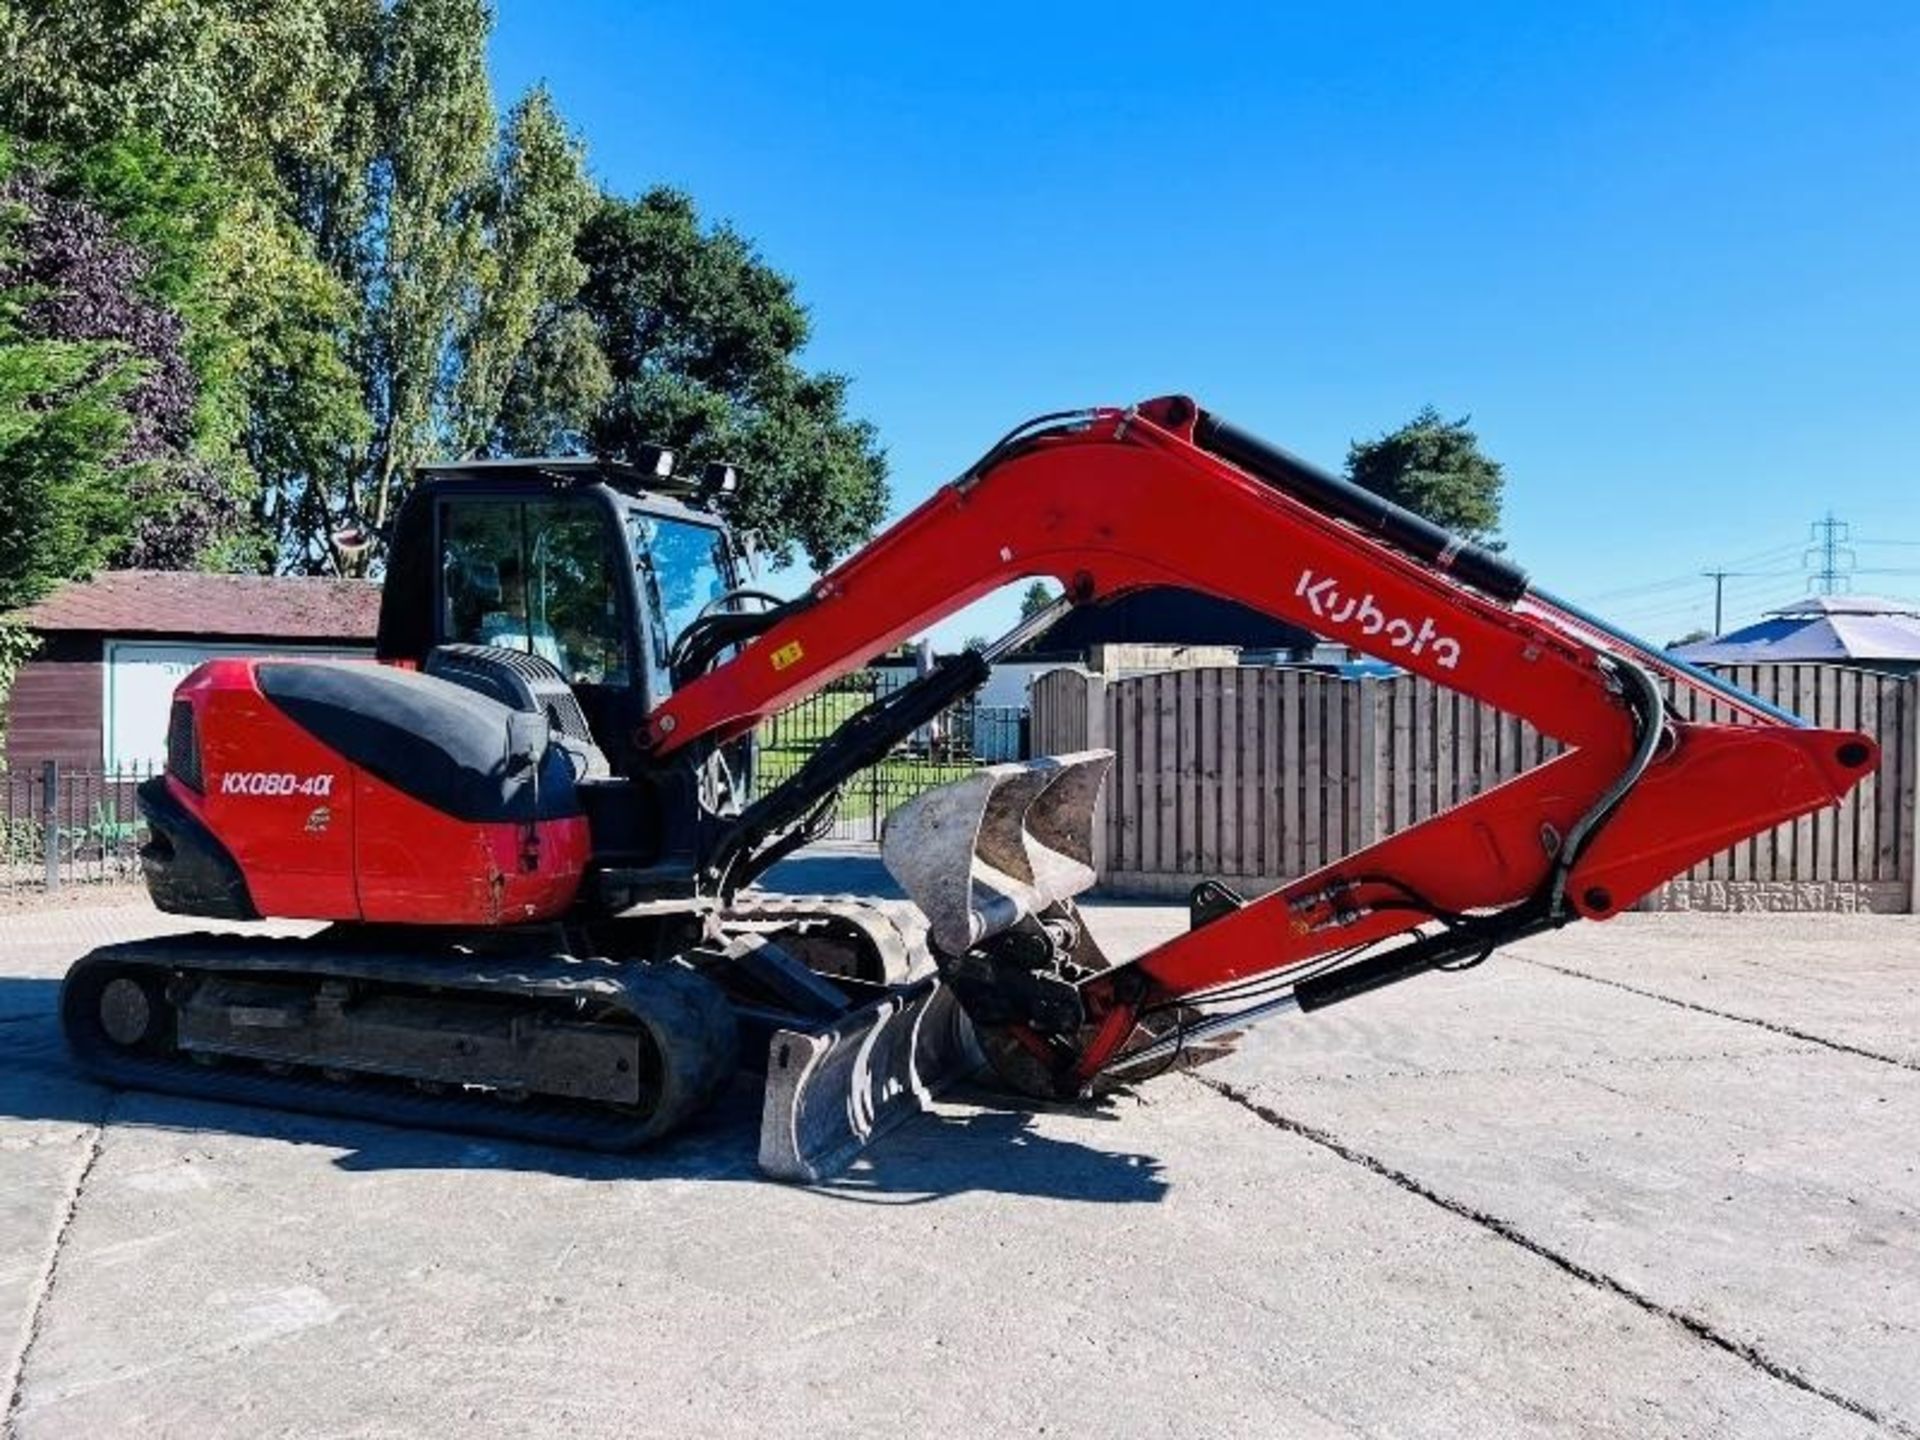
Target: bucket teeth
[(1005, 842)]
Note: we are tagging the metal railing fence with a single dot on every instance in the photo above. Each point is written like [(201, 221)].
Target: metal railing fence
[(62, 825)]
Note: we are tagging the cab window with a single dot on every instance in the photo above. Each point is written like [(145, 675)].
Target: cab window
[(534, 576), (684, 570)]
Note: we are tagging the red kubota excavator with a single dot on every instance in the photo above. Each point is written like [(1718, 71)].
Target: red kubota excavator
[(534, 830)]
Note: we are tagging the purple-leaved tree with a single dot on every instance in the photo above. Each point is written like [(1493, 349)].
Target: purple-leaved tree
[(75, 280)]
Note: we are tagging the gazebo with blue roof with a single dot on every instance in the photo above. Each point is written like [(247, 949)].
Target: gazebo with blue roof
[(1868, 631)]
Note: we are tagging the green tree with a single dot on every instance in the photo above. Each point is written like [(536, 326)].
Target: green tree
[(1039, 595), (65, 501), (306, 426), (454, 239), (171, 211), (701, 337), (560, 383), (64, 505), (83, 298), (385, 252), (1435, 468), (212, 131), (437, 134), (249, 82), (533, 207), (393, 273)]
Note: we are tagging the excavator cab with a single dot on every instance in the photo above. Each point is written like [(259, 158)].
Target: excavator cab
[(564, 588), (592, 567)]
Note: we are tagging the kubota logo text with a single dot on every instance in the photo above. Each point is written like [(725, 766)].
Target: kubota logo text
[(1323, 597)]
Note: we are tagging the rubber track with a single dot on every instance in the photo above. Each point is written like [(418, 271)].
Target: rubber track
[(681, 1010)]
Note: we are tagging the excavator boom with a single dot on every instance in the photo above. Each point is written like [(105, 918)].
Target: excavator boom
[(1165, 494)]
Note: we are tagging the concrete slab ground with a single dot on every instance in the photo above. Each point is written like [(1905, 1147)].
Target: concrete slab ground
[(1656, 1177)]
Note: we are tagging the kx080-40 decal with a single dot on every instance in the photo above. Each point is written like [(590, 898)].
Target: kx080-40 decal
[(274, 782)]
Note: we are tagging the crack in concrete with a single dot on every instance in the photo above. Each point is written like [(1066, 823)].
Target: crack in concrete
[(42, 1294), (1699, 1329), (1770, 1025)]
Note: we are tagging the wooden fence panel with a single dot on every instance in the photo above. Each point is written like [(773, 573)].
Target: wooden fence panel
[(1057, 708), (1315, 760), (1253, 770), (1906, 824), (1262, 775), (1335, 776)]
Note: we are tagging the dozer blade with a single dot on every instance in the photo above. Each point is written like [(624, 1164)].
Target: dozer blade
[(1006, 842), (832, 1091)]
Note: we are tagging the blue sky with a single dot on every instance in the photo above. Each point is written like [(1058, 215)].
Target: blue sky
[(1666, 256)]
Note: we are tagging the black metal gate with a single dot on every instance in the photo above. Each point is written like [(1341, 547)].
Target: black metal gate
[(959, 741)]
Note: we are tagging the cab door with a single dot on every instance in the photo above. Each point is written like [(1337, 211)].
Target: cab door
[(548, 576)]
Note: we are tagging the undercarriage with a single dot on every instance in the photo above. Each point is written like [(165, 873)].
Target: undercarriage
[(527, 1035)]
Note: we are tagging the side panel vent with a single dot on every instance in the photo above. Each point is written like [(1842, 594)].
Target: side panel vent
[(183, 746)]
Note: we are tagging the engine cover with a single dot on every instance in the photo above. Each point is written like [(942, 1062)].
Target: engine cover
[(339, 790)]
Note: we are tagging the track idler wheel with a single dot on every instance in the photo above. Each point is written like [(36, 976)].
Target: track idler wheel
[(126, 1007)]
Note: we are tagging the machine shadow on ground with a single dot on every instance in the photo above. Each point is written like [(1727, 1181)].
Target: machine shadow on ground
[(956, 1151)]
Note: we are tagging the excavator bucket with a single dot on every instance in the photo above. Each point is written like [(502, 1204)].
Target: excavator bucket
[(1005, 842)]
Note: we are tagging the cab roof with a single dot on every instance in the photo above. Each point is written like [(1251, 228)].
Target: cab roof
[(654, 476)]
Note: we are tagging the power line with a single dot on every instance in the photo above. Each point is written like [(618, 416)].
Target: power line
[(1739, 610), (1719, 578), (1740, 586), (1629, 591), (1692, 577), (1749, 583)]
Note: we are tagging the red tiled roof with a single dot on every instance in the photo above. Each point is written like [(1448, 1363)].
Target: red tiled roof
[(184, 602)]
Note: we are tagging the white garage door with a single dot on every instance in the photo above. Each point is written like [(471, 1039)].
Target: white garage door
[(140, 676)]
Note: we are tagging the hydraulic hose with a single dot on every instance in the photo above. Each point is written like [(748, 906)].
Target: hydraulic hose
[(1649, 711)]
